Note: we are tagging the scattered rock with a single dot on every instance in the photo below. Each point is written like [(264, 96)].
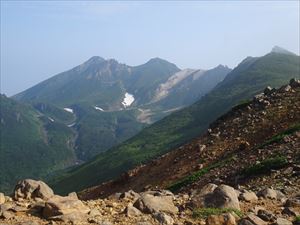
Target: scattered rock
[(149, 203), (163, 218), (29, 189), (248, 196), (57, 206), (282, 221), (94, 212), (223, 219), (245, 222), (256, 220), (2, 198), (267, 193), (266, 215), (290, 211), (131, 211), (293, 202), (130, 195), (223, 196), (7, 215), (294, 83)]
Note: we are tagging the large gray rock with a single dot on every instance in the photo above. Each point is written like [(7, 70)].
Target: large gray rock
[(151, 202), (248, 196), (223, 196), (29, 189), (58, 206), (271, 194), (163, 218)]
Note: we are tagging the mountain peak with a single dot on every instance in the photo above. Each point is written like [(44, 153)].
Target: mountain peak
[(157, 60), (277, 49), (95, 59)]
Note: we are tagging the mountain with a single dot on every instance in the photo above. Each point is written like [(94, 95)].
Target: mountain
[(32, 144), (247, 79), (277, 49), (111, 102), (75, 115), (243, 170)]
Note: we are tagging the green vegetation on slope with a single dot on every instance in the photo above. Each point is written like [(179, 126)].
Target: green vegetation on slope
[(203, 213), (247, 79), (30, 144)]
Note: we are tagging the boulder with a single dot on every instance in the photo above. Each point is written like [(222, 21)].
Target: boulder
[(282, 221), (223, 219), (255, 220), (199, 196), (245, 222), (223, 196), (248, 196), (293, 202), (163, 218), (151, 202), (2, 198), (131, 211), (130, 195), (58, 205), (267, 193), (266, 215), (30, 189)]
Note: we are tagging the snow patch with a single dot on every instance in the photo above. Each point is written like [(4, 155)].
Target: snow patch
[(128, 100), (69, 110), (98, 108), (52, 120), (71, 125)]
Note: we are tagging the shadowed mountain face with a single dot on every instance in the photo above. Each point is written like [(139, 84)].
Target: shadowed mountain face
[(77, 114), (32, 144), (250, 77)]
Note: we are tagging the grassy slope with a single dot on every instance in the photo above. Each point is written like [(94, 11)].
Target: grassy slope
[(250, 77), (30, 144)]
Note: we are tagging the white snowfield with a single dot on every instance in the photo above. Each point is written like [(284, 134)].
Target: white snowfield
[(98, 108), (128, 100), (69, 110)]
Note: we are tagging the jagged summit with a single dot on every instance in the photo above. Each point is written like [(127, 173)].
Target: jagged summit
[(277, 49)]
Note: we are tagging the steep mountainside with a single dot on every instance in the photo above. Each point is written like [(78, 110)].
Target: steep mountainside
[(32, 144), (241, 147), (247, 79)]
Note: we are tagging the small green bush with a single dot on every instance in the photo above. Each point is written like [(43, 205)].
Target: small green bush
[(206, 212), (265, 166), (297, 219)]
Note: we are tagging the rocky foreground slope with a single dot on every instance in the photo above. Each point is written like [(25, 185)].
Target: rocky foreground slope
[(245, 170)]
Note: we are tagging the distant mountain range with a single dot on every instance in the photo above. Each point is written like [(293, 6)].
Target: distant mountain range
[(77, 114), (251, 76)]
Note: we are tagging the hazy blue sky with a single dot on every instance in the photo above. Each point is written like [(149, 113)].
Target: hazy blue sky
[(40, 39)]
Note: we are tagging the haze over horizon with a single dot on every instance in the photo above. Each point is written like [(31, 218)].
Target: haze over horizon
[(41, 39)]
